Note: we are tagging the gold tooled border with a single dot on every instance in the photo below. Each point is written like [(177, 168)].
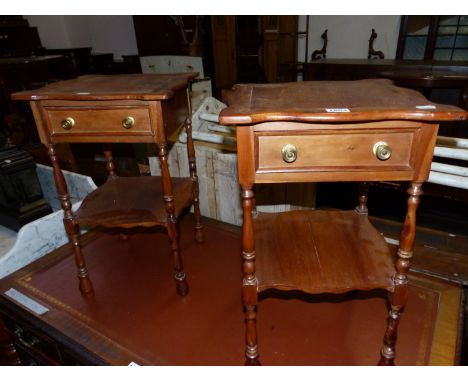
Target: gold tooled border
[(443, 351)]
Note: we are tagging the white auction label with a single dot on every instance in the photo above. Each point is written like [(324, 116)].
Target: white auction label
[(26, 301), (426, 107), (338, 110)]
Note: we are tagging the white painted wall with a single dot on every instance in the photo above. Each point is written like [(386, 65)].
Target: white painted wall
[(52, 31), (114, 34), (104, 34), (348, 36), (78, 29)]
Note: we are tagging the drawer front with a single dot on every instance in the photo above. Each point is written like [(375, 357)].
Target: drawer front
[(328, 151), (39, 347), (99, 122)]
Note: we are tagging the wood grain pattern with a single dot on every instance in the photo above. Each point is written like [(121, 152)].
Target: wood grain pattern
[(131, 202), (100, 122), (150, 87), (330, 127), (343, 149), (367, 100), (128, 109), (300, 250)]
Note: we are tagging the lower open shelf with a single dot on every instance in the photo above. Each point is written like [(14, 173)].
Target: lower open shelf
[(320, 252), (132, 201)]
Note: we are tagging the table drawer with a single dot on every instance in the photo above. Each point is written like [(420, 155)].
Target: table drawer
[(352, 150), (88, 121), (38, 346)]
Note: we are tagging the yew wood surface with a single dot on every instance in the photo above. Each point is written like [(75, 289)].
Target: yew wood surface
[(320, 252), (132, 201), (367, 100), (98, 109), (333, 127), (334, 148), (150, 87), (107, 120)]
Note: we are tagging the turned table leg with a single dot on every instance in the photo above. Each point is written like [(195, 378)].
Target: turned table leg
[(8, 354), (72, 229), (194, 178), (111, 174), (172, 224), (400, 279), (249, 282), (362, 207), (110, 166)]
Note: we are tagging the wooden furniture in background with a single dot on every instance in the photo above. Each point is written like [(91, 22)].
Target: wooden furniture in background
[(367, 130), (357, 69), (187, 35), (25, 64), (17, 38), (144, 108), (427, 80), (254, 49)]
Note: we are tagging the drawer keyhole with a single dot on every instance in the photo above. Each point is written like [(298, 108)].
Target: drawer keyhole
[(289, 153)]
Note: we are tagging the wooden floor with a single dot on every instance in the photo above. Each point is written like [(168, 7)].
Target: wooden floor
[(135, 308)]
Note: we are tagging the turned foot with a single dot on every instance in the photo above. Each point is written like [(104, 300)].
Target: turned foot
[(252, 362), (199, 237), (85, 286), (182, 287), (384, 361)]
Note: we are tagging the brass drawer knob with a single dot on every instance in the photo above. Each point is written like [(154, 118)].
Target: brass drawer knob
[(67, 123), (128, 122), (382, 150), (289, 153)]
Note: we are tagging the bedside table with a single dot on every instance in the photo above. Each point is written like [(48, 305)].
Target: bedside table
[(141, 108), (325, 131)]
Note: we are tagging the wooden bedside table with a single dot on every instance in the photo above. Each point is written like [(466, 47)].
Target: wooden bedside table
[(324, 131), (142, 108)]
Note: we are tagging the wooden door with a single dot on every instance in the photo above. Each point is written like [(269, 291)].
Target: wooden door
[(224, 51), (280, 48)]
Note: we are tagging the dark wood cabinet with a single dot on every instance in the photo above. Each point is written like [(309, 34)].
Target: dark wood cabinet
[(175, 35), (254, 49)]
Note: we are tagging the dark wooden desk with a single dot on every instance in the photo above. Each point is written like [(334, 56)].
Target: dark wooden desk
[(128, 321), (20, 73), (426, 80), (357, 69), (319, 131), (139, 108)]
